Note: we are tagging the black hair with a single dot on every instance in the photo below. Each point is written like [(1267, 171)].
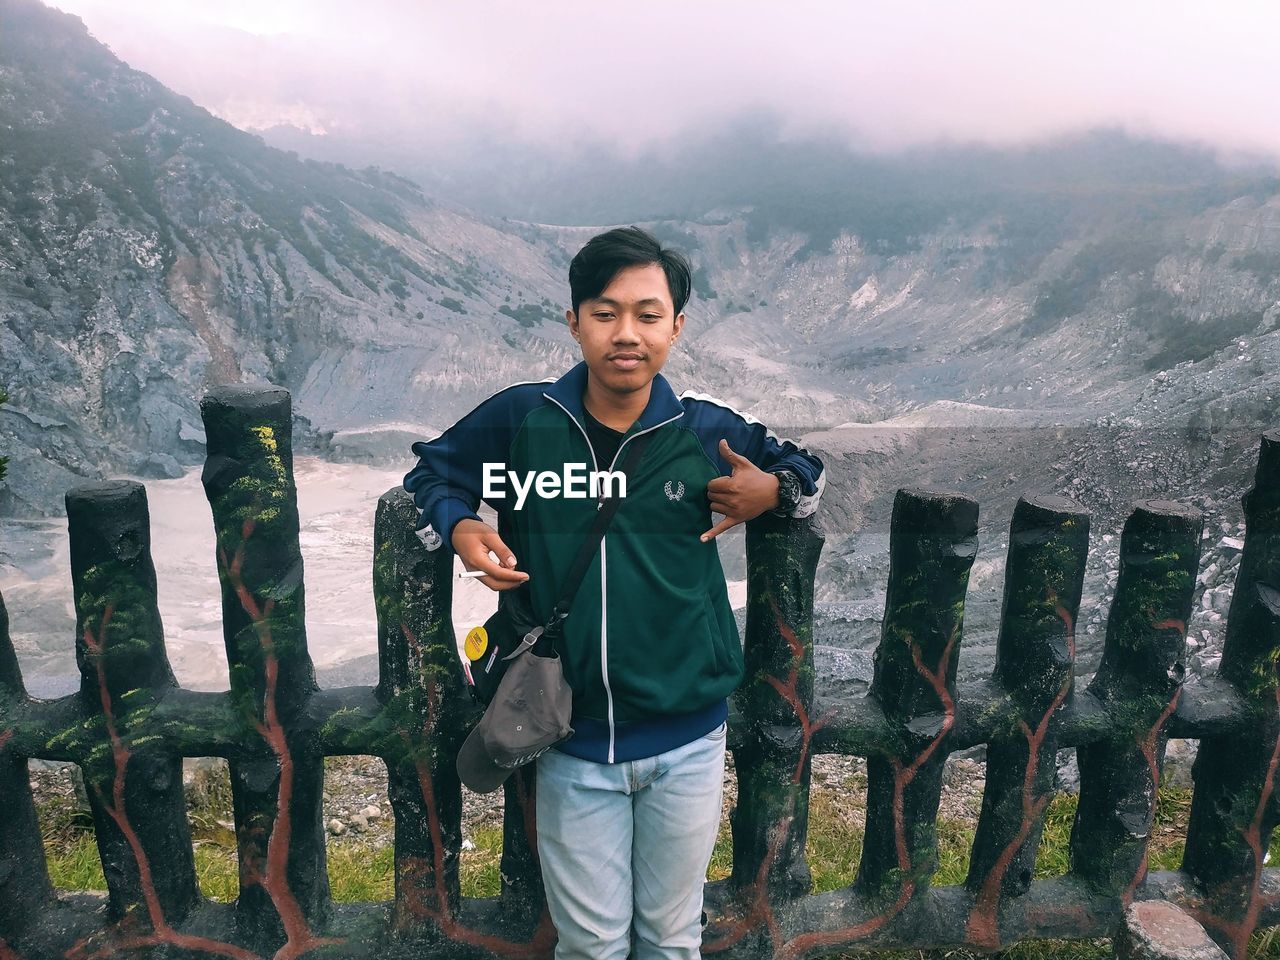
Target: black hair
[(597, 263)]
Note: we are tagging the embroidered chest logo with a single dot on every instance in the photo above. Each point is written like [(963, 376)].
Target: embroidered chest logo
[(676, 492)]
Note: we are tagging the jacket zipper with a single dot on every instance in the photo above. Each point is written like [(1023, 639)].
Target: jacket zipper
[(604, 542)]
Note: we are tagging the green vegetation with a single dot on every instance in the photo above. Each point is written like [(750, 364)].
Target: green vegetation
[(701, 284), (1265, 266), (1188, 339), (1071, 291), (862, 357), (1172, 335), (528, 314), (357, 873)]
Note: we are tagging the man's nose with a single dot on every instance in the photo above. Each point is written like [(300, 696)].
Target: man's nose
[(626, 330)]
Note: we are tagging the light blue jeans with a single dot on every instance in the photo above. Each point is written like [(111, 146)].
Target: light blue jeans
[(629, 843)]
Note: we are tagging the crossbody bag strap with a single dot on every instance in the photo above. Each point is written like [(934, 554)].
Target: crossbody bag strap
[(604, 515)]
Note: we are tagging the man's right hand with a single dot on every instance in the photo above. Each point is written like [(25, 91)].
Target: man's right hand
[(473, 540)]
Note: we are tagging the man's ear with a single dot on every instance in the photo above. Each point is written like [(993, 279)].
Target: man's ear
[(571, 318), (677, 327)]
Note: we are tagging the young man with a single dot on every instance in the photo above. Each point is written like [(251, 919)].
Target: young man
[(629, 806)]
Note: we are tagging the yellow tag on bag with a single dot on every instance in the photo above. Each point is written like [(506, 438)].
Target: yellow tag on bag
[(477, 643)]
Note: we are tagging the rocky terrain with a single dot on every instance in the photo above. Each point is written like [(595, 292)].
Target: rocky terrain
[(149, 250)]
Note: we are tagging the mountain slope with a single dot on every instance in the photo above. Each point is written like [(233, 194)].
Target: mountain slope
[(149, 250)]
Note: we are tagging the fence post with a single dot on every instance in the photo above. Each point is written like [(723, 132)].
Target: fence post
[(24, 876), (1235, 806), (523, 896), (770, 819), (277, 778), (134, 788), (421, 687), (1035, 652), (1139, 681), (933, 541)]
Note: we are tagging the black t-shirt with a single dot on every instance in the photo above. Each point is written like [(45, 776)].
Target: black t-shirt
[(604, 440)]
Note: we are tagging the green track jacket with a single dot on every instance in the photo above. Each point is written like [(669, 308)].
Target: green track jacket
[(650, 631)]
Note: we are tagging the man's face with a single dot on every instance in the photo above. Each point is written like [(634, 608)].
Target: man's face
[(627, 331)]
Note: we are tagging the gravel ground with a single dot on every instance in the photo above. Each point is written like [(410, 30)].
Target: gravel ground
[(356, 807)]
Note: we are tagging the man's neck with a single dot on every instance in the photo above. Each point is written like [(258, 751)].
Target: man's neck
[(614, 411)]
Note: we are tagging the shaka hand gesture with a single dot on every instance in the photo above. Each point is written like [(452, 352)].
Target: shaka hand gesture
[(743, 495)]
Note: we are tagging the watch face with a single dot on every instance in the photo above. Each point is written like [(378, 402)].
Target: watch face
[(788, 489)]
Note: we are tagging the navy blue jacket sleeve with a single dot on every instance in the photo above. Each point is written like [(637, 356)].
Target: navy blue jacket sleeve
[(713, 420), (447, 482)]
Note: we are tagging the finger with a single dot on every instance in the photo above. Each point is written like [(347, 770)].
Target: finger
[(734, 459), (720, 528), (720, 485), (482, 561), (722, 507), (494, 584), (509, 578), (494, 542)]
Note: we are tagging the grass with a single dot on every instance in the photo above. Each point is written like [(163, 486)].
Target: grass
[(479, 873), (357, 873)]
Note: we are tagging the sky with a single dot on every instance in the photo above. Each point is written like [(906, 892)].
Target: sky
[(885, 74)]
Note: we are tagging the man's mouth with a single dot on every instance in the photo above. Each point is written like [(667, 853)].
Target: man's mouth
[(626, 361)]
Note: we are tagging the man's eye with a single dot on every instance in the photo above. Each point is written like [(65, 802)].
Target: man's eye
[(650, 316), (602, 316)]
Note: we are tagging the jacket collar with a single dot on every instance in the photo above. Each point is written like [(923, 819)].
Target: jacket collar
[(663, 403)]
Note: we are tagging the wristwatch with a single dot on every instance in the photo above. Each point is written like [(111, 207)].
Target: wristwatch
[(788, 492)]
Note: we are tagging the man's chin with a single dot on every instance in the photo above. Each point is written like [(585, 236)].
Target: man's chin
[(623, 381)]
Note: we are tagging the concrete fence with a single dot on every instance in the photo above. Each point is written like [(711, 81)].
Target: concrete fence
[(130, 725)]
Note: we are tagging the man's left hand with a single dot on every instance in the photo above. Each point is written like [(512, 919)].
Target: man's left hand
[(743, 495)]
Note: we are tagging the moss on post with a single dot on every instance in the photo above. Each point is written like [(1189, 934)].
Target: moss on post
[(775, 701), (1139, 681), (1035, 652), (933, 541), (134, 782), (276, 778), (1236, 804), (426, 708)]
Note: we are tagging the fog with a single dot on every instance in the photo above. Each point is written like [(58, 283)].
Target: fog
[(562, 74)]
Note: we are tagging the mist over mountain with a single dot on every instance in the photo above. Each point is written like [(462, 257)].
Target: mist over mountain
[(821, 185), (150, 250)]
